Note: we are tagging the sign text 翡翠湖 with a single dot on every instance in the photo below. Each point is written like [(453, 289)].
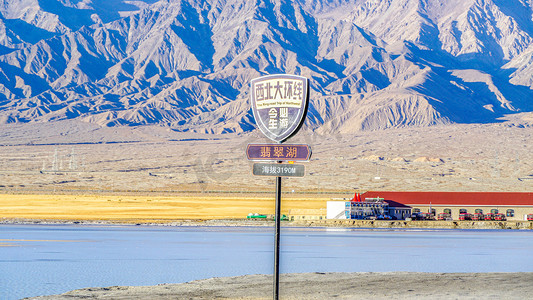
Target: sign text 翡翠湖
[(278, 152)]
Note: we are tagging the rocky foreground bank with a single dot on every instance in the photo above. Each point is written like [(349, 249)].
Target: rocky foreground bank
[(396, 285), (527, 225)]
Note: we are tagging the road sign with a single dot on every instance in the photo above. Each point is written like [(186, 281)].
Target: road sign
[(278, 152), (278, 170), (279, 104)]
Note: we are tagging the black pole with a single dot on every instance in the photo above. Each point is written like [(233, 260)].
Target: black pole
[(277, 238)]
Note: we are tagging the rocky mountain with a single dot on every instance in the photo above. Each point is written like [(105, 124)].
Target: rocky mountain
[(187, 64)]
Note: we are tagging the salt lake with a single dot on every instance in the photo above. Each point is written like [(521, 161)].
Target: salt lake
[(50, 259)]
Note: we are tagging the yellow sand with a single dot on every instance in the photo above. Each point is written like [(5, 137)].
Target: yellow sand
[(145, 208)]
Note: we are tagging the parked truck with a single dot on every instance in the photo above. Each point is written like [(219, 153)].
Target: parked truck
[(465, 217), (444, 216), (500, 217), (478, 217)]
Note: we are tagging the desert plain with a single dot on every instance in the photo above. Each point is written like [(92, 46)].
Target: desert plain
[(71, 169), (153, 209)]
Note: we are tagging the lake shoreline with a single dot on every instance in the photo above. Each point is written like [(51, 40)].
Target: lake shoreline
[(360, 285), (378, 224)]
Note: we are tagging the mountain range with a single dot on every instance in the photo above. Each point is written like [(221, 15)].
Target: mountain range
[(187, 64)]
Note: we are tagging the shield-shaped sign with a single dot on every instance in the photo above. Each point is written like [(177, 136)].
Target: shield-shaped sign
[(279, 104)]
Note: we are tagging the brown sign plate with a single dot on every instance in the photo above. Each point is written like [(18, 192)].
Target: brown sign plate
[(279, 104), (278, 152), (279, 170)]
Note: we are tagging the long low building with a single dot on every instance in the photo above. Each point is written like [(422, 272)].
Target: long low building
[(515, 206)]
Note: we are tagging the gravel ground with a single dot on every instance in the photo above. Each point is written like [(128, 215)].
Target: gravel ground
[(394, 285)]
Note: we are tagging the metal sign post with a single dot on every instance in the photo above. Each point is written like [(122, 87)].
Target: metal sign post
[(279, 104), (277, 238)]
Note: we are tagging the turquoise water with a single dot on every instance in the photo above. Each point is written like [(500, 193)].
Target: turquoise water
[(51, 259)]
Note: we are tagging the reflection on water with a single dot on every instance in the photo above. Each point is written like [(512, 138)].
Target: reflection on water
[(58, 258)]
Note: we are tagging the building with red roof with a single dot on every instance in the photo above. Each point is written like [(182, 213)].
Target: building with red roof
[(515, 206)]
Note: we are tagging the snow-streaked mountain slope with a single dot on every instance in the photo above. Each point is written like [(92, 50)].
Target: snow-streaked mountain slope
[(187, 64)]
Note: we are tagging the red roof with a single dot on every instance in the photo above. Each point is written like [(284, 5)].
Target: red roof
[(455, 198)]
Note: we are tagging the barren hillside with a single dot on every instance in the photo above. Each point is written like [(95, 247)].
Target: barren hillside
[(187, 64)]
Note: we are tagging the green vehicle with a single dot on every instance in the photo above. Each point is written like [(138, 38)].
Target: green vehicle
[(257, 216)]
